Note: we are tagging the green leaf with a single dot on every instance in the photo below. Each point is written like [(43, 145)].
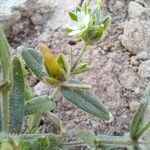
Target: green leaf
[(16, 98), (33, 121), (4, 56), (32, 63), (81, 66), (72, 16), (109, 142), (137, 121), (38, 105), (35, 55), (88, 137), (47, 141), (85, 100), (59, 125)]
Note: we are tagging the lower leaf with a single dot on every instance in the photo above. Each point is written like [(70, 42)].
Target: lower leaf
[(85, 100)]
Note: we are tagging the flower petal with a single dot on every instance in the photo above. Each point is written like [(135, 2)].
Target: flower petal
[(50, 63)]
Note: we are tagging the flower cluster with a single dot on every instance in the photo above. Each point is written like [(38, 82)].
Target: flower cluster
[(87, 24)]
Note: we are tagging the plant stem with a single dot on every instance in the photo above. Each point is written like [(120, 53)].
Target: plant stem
[(79, 57), (83, 144), (5, 111), (143, 130), (6, 69), (71, 57)]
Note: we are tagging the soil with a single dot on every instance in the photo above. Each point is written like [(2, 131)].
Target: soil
[(116, 80)]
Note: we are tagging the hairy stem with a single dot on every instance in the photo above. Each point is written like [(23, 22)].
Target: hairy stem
[(71, 57), (79, 57), (5, 111), (111, 142), (6, 70)]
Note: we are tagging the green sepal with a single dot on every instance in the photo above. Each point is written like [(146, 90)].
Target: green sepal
[(106, 22), (32, 63), (66, 30), (72, 16), (85, 8), (63, 63), (16, 98), (137, 121), (85, 100), (38, 105), (81, 66), (52, 81)]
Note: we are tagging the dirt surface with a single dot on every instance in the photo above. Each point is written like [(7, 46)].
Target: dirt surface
[(123, 58)]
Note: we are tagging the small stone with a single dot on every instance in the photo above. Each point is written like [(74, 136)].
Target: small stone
[(133, 61), (136, 37), (135, 9), (144, 69), (142, 56), (128, 79), (37, 19), (16, 15), (41, 89), (133, 105)]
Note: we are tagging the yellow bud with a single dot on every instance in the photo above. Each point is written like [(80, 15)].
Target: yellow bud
[(49, 60)]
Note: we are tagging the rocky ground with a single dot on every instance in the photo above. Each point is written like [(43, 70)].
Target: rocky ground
[(123, 56)]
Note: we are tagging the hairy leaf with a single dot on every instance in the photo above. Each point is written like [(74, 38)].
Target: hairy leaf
[(86, 101), (16, 99), (32, 63), (38, 105), (88, 137), (137, 121)]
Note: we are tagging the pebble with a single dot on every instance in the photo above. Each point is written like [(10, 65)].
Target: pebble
[(133, 105), (144, 69)]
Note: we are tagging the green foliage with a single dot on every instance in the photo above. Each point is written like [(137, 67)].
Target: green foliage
[(32, 62), (16, 98), (86, 101), (132, 141), (4, 56), (137, 121), (38, 105)]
